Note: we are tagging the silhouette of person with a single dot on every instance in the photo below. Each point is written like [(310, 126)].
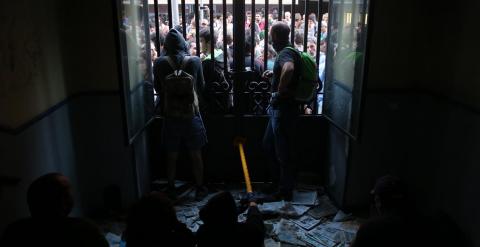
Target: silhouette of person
[(50, 201)]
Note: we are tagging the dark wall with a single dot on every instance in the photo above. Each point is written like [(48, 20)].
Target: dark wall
[(420, 119), (82, 135)]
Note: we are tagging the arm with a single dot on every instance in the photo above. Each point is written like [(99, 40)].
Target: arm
[(254, 218), (285, 80)]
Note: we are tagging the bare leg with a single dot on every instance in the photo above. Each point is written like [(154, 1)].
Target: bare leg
[(197, 166), (171, 167)]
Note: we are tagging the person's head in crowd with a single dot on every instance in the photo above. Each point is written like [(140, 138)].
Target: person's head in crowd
[(298, 20), (298, 39), (218, 19), (325, 17), (323, 46), (324, 27), (206, 40), (275, 17), (389, 195), (151, 27), (312, 19), (258, 17), (288, 16), (204, 23), (192, 50), (248, 14), (229, 17), (312, 47), (220, 210), (279, 33), (151, 221), (50, 196)]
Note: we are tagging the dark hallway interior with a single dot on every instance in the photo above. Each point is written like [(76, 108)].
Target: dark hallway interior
[(61, 111)]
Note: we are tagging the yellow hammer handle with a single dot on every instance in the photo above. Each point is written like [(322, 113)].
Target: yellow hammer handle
[(245, 168)]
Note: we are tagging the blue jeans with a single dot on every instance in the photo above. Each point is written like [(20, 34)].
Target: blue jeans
[(279, 143)]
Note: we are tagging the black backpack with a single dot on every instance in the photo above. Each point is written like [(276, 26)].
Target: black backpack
[(181, 100)]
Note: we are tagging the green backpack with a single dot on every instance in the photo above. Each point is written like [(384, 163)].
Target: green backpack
[(308, 81)]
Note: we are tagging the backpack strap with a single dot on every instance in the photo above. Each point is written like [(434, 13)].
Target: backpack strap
[(171, 63)]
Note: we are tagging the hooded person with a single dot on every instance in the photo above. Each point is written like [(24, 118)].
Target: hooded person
[(179, 132), (221, 227)]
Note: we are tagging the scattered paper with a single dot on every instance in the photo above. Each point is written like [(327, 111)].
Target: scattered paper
[(341, 216), (307, 222), (304, 197), (324, 208)]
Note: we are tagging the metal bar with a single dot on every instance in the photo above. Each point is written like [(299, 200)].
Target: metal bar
[(319, 32), (212, 36), (170, 22), (292, 34), (280, 10), (239, 55), (225, 49), (157, 28), (239, 31), (252, 37), (184, 20), (305, 27), (197, 29), (265, 35)]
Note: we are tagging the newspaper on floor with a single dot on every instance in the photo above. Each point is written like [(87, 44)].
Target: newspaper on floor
[(187, 211), (287, 232), (271, 207), (341, 216), (268, 242), (307, 222), (304, 197), (242, 217), (270, 225), (347, 226), (320, 239), (113, 239), (324, 208)]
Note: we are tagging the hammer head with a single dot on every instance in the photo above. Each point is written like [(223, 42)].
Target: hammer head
[(239, 140)]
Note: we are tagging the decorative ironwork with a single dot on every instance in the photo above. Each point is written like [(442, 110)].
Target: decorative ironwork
[(258, 96), (219, 97)]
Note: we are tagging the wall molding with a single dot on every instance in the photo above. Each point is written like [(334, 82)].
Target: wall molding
[(19, 129)]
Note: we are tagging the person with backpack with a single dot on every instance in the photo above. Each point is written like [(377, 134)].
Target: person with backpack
[(178, 78), (292, 86)]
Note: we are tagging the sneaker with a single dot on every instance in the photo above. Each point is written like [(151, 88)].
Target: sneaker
[(200, 193)]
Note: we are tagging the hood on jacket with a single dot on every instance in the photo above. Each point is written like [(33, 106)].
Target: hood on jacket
[(175, 45)]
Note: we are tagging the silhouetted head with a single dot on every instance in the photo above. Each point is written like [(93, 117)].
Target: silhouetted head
[(279, 33), (220, 210), (150, 220), (50, 196), (389, 194)]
